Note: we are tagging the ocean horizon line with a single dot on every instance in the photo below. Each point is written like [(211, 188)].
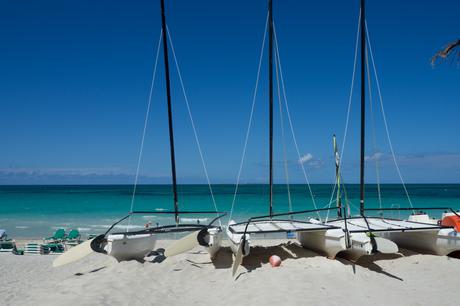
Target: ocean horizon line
[(221, 184)]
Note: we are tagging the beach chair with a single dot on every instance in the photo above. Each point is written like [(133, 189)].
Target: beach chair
[(58, 236), (36, 249), (17, 251), (73, 235), (73, 238), (56, 247), (7, 246)]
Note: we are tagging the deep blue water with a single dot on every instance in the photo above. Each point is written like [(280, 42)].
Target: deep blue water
[(35, 211)]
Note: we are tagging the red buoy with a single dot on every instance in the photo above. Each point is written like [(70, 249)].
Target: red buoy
[(275, 260)]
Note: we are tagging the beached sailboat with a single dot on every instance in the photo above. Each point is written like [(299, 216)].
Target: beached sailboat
[(443, 240), (135, 245), (345, 239), (418, 232), (239, 233)]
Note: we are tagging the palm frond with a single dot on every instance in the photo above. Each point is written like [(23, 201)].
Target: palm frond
[(449, 50)]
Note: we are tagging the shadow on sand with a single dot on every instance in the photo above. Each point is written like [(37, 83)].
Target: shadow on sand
[(92, 271), (369, 262), (407, 253), (455, 255), (260, 255)]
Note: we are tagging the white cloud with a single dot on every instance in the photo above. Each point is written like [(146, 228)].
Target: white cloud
[(311, 161), (374, 157), (306, 158)]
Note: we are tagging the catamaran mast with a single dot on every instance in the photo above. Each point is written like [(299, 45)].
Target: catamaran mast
[(270, 71), (337, 177), (363, 103), (168, 95)]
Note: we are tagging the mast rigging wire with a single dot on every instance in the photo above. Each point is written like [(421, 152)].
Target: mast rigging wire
[(350, 98), (290, 120), (193, 124), (374, 141), (286, 172), (249, 123), (141, 149), (385, 120)]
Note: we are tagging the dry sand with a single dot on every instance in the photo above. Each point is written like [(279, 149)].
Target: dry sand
[(304, 278)]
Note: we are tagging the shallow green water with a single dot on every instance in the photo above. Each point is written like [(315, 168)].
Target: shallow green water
[(35, 211)]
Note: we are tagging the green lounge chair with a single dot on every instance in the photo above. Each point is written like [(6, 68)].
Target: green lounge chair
[(73, 235), (36, 248), (58, 236), (73, 238), (7, 245), (17, 251), (56, 247)]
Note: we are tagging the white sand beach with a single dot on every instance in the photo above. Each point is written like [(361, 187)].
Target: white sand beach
[(304, 278)]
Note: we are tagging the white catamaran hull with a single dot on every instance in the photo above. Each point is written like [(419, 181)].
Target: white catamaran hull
[(130, 247), (214, 241), (438, 242), (137, 247), (236, 231), (333, 241), (235, 241)]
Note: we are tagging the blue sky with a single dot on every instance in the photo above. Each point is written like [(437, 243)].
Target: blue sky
[(75, 78)]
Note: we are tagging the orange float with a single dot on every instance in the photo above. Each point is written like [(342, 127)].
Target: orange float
[(453, 221)]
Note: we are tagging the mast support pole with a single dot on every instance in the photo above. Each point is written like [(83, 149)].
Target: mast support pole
[(337, 177), (363, 103), (170, 123), (270, 67)]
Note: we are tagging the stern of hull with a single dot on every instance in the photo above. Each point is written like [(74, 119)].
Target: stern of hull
[(130, 247)]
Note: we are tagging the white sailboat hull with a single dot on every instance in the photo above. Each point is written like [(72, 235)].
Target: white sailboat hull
[(214, 241), (235, 240), (438, 242), (333, 241), (136, 247), (130, 247), (411, 234), (235, 231)]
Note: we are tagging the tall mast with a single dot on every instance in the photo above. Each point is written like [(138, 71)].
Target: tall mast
[(270, 71), (168, 95), (337, 177), (363, 102)]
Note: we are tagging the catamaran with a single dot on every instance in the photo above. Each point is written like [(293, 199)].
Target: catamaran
[(239, 233), (135, 245), (350, 242), (379, 234)]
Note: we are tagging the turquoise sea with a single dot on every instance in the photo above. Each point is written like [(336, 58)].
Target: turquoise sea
[(36, 211)]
